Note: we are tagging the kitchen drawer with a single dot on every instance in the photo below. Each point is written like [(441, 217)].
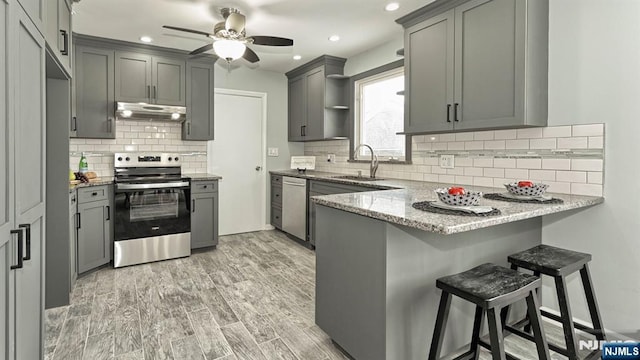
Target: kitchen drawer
[(276, 217), (93, 193), (276, 195), (276, 180), (199, 187)]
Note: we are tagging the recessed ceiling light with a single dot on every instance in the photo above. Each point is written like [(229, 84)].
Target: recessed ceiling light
[(146, 39), (392, 6), (334, 38), (297, 57)]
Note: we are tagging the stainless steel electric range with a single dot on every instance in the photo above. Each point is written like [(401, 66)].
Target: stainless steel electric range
[(152, 215)]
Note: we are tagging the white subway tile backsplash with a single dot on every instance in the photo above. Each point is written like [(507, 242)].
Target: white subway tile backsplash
[(424, 146), (447, 137), (529, 163), (467, 136), (482, 181), (529, 133), (438, 170), (586, 189), (455, 146), (586, 164), (573, 143), (439, 146), (520, 174), (517, 144), (473, 171), (588, 130), (493, 173), (505, 134), (483, 135), (504, 163), (431, 161), (448, 179), (483, 162), (556, 131), (474, 145), (559, 187), (594, 177), (542, 175), (596, 142), (463, 161), (571, 176), (542, 143), (556, 164), (464, 180), (495, 145), (431, 177), (456, 171)]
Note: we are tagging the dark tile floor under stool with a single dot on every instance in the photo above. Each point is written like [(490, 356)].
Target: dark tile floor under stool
[(252, 298)]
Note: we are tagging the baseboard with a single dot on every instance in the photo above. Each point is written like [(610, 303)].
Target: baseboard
[(269, 227)]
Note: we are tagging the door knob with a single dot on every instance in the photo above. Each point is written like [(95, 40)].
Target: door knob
[(258, 168)]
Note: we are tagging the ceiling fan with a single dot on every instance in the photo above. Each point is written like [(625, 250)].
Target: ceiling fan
[(230, 39)]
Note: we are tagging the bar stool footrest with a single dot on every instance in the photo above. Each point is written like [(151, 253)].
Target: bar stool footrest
[(487, 346), (578, 326)]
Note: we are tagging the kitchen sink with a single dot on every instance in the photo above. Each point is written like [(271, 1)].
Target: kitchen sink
[(354, 177)]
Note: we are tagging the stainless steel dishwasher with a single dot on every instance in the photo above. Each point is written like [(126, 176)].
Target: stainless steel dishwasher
[(294, 206)]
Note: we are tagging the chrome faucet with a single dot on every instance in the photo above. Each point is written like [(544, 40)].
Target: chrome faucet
[(374, 159)]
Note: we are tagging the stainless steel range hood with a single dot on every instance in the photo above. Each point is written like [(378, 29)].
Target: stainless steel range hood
[(142, 111)]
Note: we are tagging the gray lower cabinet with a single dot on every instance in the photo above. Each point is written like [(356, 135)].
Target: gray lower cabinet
[(276, 201), (73, 238), (22, 188), (204, 213), (149, 79), (480, 64), (94, 105), (199, 124), (318, 100), (318, 188), (94, 230)]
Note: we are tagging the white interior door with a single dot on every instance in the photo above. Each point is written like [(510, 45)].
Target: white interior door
[(237, 154)]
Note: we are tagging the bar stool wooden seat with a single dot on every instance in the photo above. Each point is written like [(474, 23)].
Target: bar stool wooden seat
[(558, 263), (491, 288)]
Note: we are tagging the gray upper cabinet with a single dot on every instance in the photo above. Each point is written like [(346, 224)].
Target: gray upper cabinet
[(35, 10), (93, 225), (199, 124), (58, 30), (94, 93), (479, 64), (204, 214), (317, 102), (149, 79)]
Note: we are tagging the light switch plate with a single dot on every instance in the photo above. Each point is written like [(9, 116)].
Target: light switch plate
[(331, 158), (273, 152), (447, 161)]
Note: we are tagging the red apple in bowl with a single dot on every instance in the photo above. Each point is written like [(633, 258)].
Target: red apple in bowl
[(456, 190), (525, 183)]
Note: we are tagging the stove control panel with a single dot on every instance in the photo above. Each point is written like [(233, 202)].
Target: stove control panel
[(146, 159)]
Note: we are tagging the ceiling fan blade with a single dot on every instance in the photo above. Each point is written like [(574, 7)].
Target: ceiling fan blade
[(235, 22), (271, 41), (250, 56), (202, 49), (188, 30)]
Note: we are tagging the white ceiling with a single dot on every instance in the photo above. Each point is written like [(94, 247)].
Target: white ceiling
[(361, 24)]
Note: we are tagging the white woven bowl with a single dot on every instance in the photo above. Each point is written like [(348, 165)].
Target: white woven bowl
[(535, 190), (468, 199)]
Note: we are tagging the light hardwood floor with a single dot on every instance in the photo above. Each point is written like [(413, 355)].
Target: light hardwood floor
[(251, 298)]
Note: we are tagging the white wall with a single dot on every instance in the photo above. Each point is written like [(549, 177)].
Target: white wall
[(594, 77), (275, 85), (378, 56)]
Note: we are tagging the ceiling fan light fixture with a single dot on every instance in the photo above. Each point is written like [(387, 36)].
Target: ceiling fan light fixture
[(229, 49)]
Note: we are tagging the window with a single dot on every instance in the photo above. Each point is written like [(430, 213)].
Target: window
[(379, 114)]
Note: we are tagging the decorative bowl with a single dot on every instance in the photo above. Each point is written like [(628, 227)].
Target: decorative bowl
[(534, 191), (469, 198)]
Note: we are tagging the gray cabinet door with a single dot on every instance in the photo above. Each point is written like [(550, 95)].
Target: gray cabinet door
[(297, 107), (429, 48), (200, 102), (73, 236), (28, 87), (94, 230), (64, 35), (94, 93), (168, 81), (489, 63), (204, 220), (314, 129), (35, 11), (133, 77), (7, 304)]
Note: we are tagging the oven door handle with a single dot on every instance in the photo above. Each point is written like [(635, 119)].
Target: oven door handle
[(174, 184)]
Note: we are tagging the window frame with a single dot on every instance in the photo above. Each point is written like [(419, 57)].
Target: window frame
[(352, 112)]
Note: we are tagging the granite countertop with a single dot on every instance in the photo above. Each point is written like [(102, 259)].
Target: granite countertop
[(109, 180), (394, 204)]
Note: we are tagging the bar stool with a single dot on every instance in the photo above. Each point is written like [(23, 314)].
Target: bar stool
[(558, 263), (491, 288)]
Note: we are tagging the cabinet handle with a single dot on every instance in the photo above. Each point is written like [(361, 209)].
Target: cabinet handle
[(94, 194), (193, 205), (79, 223), (455, 112), (75, 124), (108, 212), (188, 128), (20, 259), (448, 113), (205, 186), (27, 228), (110, 125), (149, 92), (155, 93), (304, 130), (65, 42)]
